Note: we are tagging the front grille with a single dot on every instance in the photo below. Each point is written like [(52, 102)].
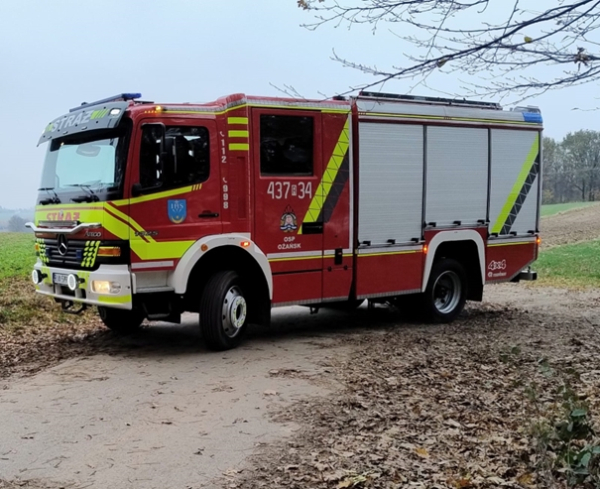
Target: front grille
[(79, 255)]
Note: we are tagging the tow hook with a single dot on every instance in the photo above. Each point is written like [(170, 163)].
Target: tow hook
[(68, 307)]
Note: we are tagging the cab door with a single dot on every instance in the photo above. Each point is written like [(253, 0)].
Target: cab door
[(287, 168), (178, 200)]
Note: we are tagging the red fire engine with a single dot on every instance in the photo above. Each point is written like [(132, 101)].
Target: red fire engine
[(233, 207)]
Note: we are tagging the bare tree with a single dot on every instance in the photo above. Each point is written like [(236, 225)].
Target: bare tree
[(502, 44)]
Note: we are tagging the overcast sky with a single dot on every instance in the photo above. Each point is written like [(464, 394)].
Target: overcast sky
[(58, 54)]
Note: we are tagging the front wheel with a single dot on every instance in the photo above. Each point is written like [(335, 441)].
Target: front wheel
[(446, 292), (121, 321), (223, 311)]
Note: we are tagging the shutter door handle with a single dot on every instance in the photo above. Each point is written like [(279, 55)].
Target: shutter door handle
[(312, 228)]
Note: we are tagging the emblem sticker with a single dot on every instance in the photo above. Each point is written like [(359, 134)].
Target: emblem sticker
[(288, 222), (177, 210)]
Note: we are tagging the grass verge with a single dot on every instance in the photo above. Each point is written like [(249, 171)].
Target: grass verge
[(17, 255), (576, 265), (551, 209)]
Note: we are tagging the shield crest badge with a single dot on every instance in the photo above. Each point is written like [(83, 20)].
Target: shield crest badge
[(177, 210)]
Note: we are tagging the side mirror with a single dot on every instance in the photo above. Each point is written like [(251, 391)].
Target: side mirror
[(136, 190)]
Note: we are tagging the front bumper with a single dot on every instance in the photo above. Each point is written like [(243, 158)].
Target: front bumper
[(84, 293)]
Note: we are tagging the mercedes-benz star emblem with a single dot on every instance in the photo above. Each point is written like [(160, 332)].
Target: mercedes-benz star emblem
[(63, 247)]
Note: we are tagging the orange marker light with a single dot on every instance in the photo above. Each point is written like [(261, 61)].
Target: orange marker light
[(204, 247), (538, 241), (113, 251), (425, 249), (245, 244)]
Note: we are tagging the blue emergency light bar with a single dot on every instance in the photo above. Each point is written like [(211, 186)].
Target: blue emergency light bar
[(114, 98)]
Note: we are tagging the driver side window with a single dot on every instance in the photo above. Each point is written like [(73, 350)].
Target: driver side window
[(181, 159)]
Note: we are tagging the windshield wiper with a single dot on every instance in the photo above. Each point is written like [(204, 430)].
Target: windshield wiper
[(52, 200), (90, 197)]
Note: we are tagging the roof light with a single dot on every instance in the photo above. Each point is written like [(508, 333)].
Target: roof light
[(114, 98)]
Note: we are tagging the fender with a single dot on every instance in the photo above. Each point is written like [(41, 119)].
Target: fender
[(458, 235), (179, 278)]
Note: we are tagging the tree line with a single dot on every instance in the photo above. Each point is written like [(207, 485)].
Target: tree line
[(571, 168)]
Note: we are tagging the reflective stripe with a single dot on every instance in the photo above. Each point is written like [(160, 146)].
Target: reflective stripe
[(513, 243), (237, 120), (239, 134), (446, 118), (152, 264), (389, 253), (107, 299), (160, 250), (239, 147), (159, 195), (518, 187), (329, 175), (296, 258)]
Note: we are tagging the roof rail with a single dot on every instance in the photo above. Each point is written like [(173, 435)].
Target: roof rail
[(430, 100), (114, 98)]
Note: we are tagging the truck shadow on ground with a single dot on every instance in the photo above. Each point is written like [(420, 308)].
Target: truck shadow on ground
[(288, 324)]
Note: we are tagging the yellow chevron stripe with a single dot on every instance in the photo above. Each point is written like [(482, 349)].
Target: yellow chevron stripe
[(518, 186), (329, 176)]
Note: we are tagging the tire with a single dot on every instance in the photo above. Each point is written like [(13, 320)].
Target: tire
[(121, 321), (446, 292), (223, 311)]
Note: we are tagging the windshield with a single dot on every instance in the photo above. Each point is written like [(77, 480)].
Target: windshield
[(86, 167)]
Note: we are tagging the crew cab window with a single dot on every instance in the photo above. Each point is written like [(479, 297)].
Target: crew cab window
[(286, 145), (185, 158)]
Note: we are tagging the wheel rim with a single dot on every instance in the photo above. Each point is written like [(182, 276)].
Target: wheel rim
[(447, 292), (234, 311)]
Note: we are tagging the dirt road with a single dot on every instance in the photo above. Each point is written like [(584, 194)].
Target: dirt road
[(159, 411)]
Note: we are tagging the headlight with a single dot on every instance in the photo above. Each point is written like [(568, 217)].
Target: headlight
[(105, 287)]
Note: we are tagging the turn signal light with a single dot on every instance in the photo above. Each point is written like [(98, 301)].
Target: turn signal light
[(113, 251), (538, 241), (425, 249)]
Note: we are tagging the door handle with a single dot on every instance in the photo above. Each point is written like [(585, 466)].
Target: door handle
[(312, 228), (209, 215)]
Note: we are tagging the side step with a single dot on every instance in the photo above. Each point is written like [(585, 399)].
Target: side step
[(528, 274)]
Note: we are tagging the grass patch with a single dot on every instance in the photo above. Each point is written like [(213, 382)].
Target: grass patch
[(17, 255), (20, 306), (570, 265), (551, 209)]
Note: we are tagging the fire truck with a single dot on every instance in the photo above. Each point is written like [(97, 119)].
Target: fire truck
[(231, 208)]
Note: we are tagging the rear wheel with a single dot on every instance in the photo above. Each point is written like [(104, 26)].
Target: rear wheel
[(446, 292), (223, 311), (121, 320)]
